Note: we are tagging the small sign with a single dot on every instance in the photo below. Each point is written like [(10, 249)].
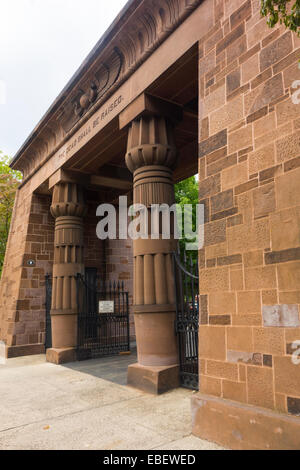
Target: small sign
[(106, 306)]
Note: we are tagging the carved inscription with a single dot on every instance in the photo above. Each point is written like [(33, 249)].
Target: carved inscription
[(87, 130)]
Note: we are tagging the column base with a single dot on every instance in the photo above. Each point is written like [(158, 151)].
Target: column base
[(61, 356), (243, 427), (155, 380)]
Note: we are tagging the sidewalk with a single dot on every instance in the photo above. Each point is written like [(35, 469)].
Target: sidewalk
[(87, 405)]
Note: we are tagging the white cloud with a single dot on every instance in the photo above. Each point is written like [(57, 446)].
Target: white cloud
[(2, 92), (42, 43)]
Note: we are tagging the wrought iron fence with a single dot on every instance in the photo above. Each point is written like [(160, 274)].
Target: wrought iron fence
[(187, 318), (103, 318)]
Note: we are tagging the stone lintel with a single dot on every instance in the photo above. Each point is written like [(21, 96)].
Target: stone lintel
[(89, 181), (109, 182), (146, 105), (65, 176), (243, 427), (155, 380)]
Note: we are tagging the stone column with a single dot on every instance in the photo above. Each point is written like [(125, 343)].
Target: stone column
[(68, 209), (151, 157)]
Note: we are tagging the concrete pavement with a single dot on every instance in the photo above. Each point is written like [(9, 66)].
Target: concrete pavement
[(87, 405)]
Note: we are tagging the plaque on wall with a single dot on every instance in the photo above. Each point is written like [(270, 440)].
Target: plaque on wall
[(106, 306)]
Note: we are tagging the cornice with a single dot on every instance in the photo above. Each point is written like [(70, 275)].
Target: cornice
[(135, 34)]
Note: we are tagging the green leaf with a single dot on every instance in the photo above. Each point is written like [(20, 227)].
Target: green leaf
[(276, 12), (9, 182)]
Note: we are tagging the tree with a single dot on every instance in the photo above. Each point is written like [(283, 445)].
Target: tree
[(283, 12), (187, 192), (9, 182)]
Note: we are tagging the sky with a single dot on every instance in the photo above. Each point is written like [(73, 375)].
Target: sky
[(42, 44)]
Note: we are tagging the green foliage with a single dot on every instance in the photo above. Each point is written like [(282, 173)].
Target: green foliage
[(187, 192), (283, 12), (9, 182)]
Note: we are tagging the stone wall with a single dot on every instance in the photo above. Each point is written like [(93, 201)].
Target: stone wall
[(22, 291), (94, 256), (112, 258), (249, 166), (119, 262)]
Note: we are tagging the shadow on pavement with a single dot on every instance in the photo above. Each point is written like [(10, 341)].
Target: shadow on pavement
[(112, 369)]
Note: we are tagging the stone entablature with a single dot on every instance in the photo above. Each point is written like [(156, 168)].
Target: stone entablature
[(131, 40)]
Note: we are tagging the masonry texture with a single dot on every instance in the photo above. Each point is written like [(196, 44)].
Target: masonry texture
[(249, 169), (119, 268), (22, 316)]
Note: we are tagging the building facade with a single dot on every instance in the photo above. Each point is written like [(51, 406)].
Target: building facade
[(174, 88)]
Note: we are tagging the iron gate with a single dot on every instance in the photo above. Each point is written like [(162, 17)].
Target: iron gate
[(103, 318), (187, 319), (48, 285)]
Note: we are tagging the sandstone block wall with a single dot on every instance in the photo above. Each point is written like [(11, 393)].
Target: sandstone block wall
[(22, 289), (112, 258), (249, 167), (119, 266), (94, 256)]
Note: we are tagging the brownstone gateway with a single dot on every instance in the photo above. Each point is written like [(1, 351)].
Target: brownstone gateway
[(173, 88)]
